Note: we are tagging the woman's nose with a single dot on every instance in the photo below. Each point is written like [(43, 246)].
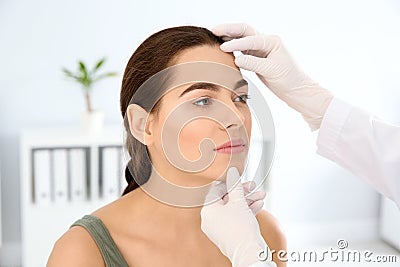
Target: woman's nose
[(235, 118)]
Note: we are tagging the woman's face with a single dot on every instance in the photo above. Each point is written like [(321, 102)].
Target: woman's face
[(224, 116)]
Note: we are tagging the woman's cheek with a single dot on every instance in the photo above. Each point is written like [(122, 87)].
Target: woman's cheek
[(192, 135), (248, 125)]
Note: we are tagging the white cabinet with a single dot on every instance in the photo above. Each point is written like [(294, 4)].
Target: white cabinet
[(64, 176)]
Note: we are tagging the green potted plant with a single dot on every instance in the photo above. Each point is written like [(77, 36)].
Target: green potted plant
[(91, 119)]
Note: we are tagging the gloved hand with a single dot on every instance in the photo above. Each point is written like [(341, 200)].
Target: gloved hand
[(230, 224), (267, 56), (255, 200)]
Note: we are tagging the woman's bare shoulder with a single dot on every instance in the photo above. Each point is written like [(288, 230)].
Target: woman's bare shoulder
[(272, 232), (75, 248), (270, 227), (116, 212)]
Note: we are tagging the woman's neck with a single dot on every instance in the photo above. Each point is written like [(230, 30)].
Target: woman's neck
[(166, 206), (175, 215), (178, 197), (165, 222)]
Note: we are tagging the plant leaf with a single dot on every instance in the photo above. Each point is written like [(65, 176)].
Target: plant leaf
[(83, 69), (86, 78), (99, 64), (104, 75), (69, 74)]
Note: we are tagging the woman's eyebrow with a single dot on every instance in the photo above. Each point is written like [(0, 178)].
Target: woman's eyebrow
[(240, 83), (211, 86), (201, 85)]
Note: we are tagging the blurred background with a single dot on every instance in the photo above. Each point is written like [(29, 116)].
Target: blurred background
[(349, 47)]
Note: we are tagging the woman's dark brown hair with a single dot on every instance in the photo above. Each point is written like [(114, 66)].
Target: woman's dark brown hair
[(155, 54)]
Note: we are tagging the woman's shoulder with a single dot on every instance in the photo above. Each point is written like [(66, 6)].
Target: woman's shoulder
[(272, 232), (75, 247), (78, 247), (115, 213), (270, 226)]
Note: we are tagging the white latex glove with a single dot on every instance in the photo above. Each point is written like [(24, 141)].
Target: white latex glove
[(231, 225), (267, 56), (255, 200)]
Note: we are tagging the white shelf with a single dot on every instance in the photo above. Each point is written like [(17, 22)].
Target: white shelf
[(71, 136), (46, 216)]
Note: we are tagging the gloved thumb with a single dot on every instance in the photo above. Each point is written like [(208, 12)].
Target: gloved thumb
[(215, 193), (234, 185), (252, 63), (261, 66)]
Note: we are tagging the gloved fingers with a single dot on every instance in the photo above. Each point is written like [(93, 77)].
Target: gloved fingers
[(233, 30), (258, 195), (226, 38), (244, 44), (215, 193), (261, 45), (255, 201), (233, 184), (248, 186), (254, 198), (256, 206), (255, 64)]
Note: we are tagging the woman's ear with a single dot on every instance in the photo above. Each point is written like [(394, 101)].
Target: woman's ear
[(137, 118)]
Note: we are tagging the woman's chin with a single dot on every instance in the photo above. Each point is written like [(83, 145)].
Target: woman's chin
[(220, 175)]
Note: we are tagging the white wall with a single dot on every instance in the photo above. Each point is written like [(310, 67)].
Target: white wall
[(350, 47), (1, 228)]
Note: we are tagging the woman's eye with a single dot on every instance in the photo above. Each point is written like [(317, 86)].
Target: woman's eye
[(243, 98), (206, 101), (203, 102)]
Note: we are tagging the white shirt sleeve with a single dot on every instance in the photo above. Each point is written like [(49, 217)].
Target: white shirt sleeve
[(363, 144)]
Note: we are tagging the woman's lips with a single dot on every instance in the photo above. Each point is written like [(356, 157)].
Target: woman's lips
[(233, 146)]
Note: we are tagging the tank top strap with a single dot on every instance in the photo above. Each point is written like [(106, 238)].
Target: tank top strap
[(111, 254)]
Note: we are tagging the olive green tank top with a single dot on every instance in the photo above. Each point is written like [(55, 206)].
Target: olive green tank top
[(108, 249)]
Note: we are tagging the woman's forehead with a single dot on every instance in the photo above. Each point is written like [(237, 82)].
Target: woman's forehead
[(205, 73), (184, 89), (206, 53)]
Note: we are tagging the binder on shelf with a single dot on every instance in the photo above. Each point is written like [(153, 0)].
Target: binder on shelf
[(122, 165), (78, 179), (41, 176), (60, 175), (110, 166)]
